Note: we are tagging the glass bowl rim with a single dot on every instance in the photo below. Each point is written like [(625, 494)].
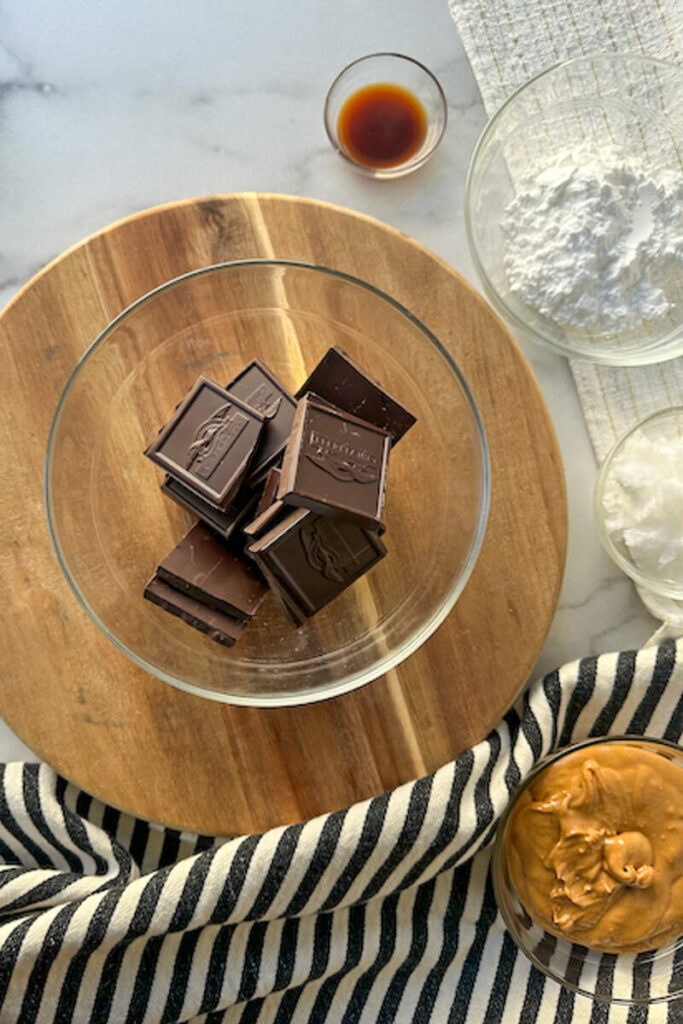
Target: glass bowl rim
[(650, 583), (420, 634), (411, 164), (653, 352), (498, 860)]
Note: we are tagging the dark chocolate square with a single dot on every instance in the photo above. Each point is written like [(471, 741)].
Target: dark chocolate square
[(223, 522), (260, 389), (342, 382), (335, 464), (216, 624), (282, 598), (202, 566), (209, 442), (314, 558)]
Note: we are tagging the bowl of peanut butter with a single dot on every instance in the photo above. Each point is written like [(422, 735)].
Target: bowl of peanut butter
[(588, 869)]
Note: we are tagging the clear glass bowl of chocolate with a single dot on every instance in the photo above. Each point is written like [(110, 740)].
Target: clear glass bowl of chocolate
[(385, 114), (587, 869), (112, 523)]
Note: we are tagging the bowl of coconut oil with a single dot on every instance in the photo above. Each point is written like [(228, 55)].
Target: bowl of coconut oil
[(639, 503)]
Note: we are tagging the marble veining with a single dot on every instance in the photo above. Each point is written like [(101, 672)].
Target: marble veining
[(107, 109)]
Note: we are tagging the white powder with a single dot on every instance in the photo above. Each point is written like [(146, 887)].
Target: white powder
[(596, 244), (643, 500)]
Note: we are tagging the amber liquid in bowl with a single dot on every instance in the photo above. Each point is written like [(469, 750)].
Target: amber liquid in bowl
[(382, 125)]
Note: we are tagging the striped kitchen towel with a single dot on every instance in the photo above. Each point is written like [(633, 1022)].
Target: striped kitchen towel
[(383, 912)]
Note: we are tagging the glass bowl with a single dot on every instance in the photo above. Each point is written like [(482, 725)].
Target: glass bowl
[(111, 524), (644, 466), (626, 111), (409, 76), (633, 979)]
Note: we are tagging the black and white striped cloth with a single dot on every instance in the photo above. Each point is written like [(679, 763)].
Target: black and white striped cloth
[(380, 913)]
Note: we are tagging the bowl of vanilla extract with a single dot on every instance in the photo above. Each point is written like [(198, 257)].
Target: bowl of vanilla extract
[(385, 114)]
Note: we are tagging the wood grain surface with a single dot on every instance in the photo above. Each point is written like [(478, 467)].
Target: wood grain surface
[(175, 758)]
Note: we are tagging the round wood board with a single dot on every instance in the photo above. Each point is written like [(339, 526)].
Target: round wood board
[(178, 759)]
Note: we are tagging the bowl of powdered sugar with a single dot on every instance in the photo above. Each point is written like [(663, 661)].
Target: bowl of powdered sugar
[(575, 209), (639, 503)]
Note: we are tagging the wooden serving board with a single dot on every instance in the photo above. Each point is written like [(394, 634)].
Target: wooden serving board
[(175, 758)]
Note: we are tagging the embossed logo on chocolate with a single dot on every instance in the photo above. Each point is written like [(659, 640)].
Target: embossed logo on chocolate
[(213, 438), (327, 552), (265, 399), (343, 461)]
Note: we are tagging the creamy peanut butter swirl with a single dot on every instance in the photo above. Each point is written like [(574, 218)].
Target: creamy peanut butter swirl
[(595, 847)]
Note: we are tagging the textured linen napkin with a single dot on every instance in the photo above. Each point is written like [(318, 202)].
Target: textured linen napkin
[(510, 41), (382, 913)]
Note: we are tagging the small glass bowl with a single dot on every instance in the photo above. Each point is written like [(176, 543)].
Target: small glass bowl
[(634, 482), (623, 979), (627, 109), (396, 69)]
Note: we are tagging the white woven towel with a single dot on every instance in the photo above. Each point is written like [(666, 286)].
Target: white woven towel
[(509, 41)]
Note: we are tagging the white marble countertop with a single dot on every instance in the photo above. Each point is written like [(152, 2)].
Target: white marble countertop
[(110, 108)]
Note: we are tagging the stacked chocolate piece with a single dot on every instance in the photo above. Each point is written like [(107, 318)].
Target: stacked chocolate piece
[(289, 491)]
